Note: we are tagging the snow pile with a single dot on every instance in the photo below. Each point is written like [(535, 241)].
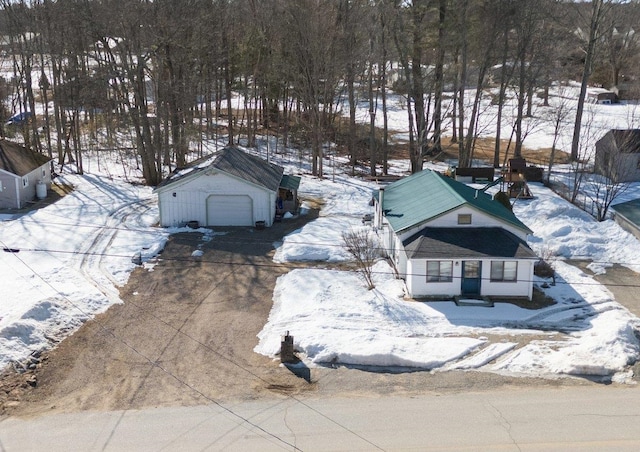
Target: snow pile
[(347, 324), (562, 230), (69, 259), (327, 244), (336, 320)]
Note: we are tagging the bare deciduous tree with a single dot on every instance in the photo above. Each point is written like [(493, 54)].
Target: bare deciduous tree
[(557, 116), (591, 38), (364, 247)]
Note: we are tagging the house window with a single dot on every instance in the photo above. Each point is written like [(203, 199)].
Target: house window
[(25, 181), (439, 271), (504, 271), (44, 173), (464, 218)]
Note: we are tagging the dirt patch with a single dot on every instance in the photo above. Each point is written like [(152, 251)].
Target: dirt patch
[(538, 301)]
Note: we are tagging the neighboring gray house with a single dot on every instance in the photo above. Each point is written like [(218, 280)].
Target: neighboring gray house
[(447, 239), (24, 175), (618, 155), (230, 188)]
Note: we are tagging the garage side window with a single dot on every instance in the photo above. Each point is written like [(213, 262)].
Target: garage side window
[(504, 271), (439, 271)]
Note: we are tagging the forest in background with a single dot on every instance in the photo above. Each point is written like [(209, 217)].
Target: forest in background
[(155, 78)]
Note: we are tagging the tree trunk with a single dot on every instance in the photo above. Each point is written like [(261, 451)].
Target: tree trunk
[(439, 79), (596, 17), (517, 150)]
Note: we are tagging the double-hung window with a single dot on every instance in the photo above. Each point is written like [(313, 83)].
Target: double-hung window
[(439, 271), (504, 271)]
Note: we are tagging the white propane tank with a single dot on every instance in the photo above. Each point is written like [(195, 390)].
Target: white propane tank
[(41, 190)]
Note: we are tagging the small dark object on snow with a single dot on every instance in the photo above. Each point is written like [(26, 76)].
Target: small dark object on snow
[(286, 349)]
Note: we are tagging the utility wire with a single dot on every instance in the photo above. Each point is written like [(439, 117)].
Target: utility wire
[(298, 265), (155, 363), (223, 238), (207, 347)]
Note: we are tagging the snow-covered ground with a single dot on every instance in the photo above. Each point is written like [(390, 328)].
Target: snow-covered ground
[(69, 259), (337, 320), (62, 264)]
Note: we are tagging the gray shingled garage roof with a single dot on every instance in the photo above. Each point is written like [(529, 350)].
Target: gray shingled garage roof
[(452, 243), (235, 162), (248, 167)]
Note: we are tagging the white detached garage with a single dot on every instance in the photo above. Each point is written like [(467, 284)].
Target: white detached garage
[(232, 188)]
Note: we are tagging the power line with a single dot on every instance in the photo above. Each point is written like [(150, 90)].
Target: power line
[(223, 238), (207, 347), (155, 363), (296, 265)]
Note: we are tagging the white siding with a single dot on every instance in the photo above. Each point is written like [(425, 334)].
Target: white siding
[(9, 196), (418, 286), (190, 200), (479, 219)]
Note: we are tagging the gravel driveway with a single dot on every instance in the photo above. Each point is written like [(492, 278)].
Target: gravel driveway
[(185, 336)]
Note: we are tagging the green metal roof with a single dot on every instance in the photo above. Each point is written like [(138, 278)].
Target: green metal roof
[(630, 210), (290, 182), (426, 195)]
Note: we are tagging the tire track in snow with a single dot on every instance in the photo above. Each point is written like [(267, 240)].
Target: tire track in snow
[(91, 263)]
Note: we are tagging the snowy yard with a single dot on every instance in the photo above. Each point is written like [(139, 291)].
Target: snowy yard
[(75, 254), (337, 320)]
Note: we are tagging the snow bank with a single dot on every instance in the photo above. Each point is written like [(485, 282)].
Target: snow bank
[(72, 257)]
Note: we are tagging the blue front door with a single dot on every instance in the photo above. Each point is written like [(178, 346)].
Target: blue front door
[(471, 271)]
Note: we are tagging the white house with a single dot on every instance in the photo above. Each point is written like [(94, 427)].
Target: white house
[(25, 175), (230, 188), (448, 239)]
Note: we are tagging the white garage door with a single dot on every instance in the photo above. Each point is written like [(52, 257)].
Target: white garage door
[(229, 210)]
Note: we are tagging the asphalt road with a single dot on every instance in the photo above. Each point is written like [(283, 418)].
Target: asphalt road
[(565, 419)]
